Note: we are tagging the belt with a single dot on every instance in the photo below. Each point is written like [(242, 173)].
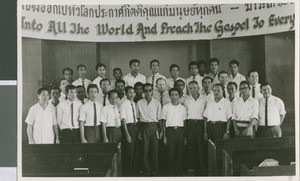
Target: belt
[(216, 122), (196, 120), (149, 123), (266, 126), (244, 122), (175, 127), (70, 129)]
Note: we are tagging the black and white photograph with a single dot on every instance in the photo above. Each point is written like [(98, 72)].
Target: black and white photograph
[(158, 90)]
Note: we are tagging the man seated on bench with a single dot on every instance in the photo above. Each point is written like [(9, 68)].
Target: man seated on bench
[(245, 112), (271, 113)]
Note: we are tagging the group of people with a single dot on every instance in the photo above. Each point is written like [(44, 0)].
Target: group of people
[(156, 119)]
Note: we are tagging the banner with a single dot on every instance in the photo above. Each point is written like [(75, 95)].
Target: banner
[(105, 23)]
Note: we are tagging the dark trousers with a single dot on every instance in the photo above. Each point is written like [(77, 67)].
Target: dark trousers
[(216, 130), (113, 134), (129, 150), (196, 146), (162, 157), (92, 134), (150, 147), (268, 131), (70, 136), (175, 142)]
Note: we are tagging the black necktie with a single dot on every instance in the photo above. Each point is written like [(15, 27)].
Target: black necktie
[(253, 91), (194, 77), (95, 116), (152, 79), (104, 100), (72, 120), (133, 112), (266, 113), (161, 99), (83, 84)]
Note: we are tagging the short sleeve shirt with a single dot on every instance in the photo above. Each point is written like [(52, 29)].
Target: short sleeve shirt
[(111, 116), (151, 112), (87, 113), (174, 115), (218, 111)]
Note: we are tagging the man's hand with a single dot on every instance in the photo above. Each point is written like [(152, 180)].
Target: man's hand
[(165, 140), (83, 140), (128, 137), (205, 136), (57, 141), (226, 135), (31, 142), (105, 140)]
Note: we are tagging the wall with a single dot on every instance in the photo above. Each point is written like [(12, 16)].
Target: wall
[(178, 52), (32, 74), (280, 65)]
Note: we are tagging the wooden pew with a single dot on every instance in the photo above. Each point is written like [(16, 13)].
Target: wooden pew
[(242, 146), (70, 160), (281, 170)]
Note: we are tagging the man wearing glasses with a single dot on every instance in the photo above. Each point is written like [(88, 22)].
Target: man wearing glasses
[(245, 112), (149, 111)]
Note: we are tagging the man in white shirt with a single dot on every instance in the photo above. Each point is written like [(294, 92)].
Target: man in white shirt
[(68, 74), (214, 69), (55, 94), (101, 71), (223, 79), (207, 88), (180, 85), (111, 120), (62, 85), (154, 66), (195, 105), (232, 91), (129, 121), (245, 112), (202, 68), (235, 76), (102, 97), (174, 71), (161, 94), (120, 88), (80, 93), (217, 115), (193, 68), (271, 113), (134, 76), (117, 73), (89, 118), (41, 121), (68, 117), (149, 111), (174, 116), (253, 79), (82, 80)]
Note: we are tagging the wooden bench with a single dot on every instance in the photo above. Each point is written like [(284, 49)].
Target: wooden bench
[(70, 160), (248, 151)]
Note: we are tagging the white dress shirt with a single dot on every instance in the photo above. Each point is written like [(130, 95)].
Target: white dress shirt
[(218, 111), (209, 96), (126, 111), (42, 121), (62, 97), (198, 79), (100, 99), (195, 108), (79, 82), (64, 118), (130, 80), (174, 115), (111, 115), (87, 113), (151, 112), (245, 110), (275, 109), (237, 79), (156, 76), (165, 97), (97, 82), (120, 101), (216, 78), (258, 94)]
